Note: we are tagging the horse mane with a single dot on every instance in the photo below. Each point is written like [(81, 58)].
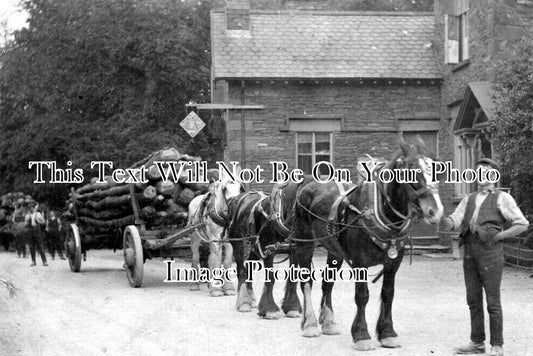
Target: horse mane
[(290, 197), (417, 146)]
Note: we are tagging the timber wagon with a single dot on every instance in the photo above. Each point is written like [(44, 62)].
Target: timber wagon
[(148, 220)]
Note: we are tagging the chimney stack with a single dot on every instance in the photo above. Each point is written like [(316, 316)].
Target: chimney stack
[(238, 15)]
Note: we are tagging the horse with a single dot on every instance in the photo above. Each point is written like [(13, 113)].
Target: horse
[(365, 225), (210, 209), (258, 226)]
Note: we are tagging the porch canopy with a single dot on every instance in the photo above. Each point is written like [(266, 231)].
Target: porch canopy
[(478, 107)]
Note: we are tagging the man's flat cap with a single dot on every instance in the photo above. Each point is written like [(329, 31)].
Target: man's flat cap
[(493, 163)]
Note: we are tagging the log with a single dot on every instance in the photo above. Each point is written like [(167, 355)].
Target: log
[(121, 202), (153, 173), (96, 186), (105, 214), (165, 187), (176, 193), (175, 208), (150, 192), (186, 196), (148, 212), (110, 202), (172, 216), (170, 154), (162, 214), (118, 190), (143, 161), (127, 220), (202, 187)]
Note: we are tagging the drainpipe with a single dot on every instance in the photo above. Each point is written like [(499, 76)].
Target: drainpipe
[(243, 143)]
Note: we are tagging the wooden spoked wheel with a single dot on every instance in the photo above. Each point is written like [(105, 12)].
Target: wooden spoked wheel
[(133, 256), (74, 248)]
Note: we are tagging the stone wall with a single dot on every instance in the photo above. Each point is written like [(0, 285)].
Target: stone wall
[(371, 116), (493, 27)]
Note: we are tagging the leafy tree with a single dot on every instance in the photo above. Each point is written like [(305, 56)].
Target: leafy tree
[(100, 80), (512, 130)]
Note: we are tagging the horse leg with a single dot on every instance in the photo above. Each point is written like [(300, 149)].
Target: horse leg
[(243, 302), (214, 262), (360, 334), (326, 318), (195, 248), (267, 307), (291, 304), (228, 288), (309, 323), (384, 327)]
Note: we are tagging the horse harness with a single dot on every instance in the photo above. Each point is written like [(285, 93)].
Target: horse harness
[(208, 208), (388, 237)]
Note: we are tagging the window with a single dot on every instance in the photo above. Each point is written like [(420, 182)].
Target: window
[(313, 147), (456, 32)]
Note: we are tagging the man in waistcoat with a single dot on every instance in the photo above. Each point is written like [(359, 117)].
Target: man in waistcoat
[(481, 218), (53, 225), (34, 220)]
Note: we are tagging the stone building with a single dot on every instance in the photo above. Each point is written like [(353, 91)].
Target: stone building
[(334, 85), (472, 41), (337, 85)]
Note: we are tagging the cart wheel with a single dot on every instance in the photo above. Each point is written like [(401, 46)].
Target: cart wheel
[(74, 248), (133, 256)]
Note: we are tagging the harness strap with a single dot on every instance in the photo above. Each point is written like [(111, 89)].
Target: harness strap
[(277, 212), (333, 214), (199, 214), (251, 216)]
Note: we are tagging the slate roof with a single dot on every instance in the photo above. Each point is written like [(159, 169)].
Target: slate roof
[(325, 45)]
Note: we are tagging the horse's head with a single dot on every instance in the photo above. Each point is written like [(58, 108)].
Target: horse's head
[(422, 192), (223, 190)]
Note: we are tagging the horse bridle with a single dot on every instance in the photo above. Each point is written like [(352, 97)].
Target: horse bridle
[(412, 195)]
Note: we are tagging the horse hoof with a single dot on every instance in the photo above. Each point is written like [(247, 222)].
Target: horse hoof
[(271, 316), (254, 305), (311, 331), (194, 287), (229, 292), (216, 293), (365, 345), (244, 308), (293, 314), (330, 329), (390, 342)]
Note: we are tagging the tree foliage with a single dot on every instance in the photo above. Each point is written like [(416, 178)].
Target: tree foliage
[(100, 80), (512, 130)]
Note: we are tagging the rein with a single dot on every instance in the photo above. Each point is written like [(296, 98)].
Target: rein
[(394, 241)]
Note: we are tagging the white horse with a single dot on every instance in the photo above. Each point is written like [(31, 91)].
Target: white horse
[(211, 210)]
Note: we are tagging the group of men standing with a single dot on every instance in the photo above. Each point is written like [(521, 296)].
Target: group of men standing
[(32, 228)]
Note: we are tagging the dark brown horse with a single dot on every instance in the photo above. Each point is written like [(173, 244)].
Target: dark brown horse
[(259, 224), (364, 225)]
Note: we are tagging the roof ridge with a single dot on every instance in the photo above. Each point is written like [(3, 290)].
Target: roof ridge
[(336, 13)]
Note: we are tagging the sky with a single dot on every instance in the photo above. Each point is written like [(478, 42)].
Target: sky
[(11, 16)]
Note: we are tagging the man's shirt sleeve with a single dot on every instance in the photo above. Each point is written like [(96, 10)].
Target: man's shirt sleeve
[(510, 211), (458, 215)]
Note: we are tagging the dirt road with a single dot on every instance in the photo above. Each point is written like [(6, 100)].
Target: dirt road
[(96, 312)]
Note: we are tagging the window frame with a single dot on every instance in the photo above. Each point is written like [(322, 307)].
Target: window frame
[(313, 147), (455, 54)]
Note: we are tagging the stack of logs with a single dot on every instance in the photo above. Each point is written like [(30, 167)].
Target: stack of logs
[(8, 203), (161, 203)]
